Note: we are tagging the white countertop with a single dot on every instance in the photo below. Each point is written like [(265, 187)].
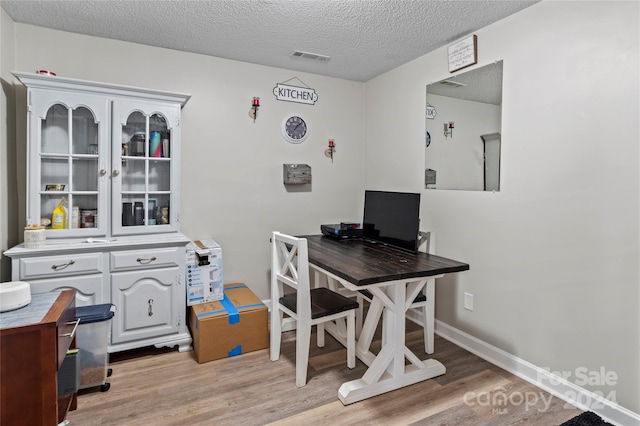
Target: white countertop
[(33, 313)]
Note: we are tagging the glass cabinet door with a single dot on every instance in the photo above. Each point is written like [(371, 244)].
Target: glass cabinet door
[(67, 178), (144, 198)]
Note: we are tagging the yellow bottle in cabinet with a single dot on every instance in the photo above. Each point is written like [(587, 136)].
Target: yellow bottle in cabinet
[(59, 217)]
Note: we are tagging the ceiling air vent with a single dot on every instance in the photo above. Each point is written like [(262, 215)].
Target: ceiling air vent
[(452, 83), (309, 55)]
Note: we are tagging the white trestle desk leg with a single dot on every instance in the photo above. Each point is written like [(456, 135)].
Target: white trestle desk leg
[(429, 316), (396, 329), (368, 330), (387, 371)]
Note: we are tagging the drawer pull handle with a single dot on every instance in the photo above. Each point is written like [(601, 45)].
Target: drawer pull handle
[(146, 259), (62, 265), (150, 307), (73, 332)]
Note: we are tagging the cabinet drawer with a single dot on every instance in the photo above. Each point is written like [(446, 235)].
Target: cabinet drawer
[(60, 266), (89, 289), (145, 259)]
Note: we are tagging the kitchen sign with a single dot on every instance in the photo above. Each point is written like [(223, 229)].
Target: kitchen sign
[(300, 95)]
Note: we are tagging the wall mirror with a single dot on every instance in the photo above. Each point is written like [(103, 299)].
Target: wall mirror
[(463, 130)]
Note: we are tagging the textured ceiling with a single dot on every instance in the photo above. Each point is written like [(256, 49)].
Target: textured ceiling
[(363, 38), (483, 84)]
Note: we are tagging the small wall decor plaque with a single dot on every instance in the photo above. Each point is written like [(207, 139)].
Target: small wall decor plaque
[(296, 174), (429, 177), (463, 53)]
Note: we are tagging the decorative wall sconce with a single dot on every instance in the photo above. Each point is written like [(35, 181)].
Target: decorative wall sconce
[(329, 151), (448, 129), (253, 112)]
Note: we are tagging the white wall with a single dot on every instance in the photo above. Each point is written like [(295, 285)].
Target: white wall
[(553, 255), (232, 180)]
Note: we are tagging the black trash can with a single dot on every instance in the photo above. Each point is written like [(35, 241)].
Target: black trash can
[(92, 339)]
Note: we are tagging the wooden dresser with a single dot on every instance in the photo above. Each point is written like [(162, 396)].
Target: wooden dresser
[(33, 343)]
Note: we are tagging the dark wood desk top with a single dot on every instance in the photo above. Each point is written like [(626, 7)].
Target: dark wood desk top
[(363, 263)]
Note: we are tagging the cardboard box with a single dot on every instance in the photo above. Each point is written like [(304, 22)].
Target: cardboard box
[(235, 325), (203, 272)]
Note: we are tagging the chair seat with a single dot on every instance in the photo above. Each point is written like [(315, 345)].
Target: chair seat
[(324, 302), (419, 298)]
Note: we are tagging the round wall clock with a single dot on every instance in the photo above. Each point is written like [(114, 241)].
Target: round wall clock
[(294, 129)]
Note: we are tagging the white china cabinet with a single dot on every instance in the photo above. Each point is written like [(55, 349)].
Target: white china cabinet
[(103, 174)]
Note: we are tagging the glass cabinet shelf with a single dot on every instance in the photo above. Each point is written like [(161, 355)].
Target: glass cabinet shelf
[(145, 186)]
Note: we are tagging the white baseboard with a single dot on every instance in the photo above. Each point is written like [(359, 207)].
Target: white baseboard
[(540, 377)]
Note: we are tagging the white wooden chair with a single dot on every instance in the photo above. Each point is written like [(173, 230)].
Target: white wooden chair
[(308, 307), (424, 302)]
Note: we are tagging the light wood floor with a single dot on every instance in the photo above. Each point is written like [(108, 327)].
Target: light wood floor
[(165, 387)]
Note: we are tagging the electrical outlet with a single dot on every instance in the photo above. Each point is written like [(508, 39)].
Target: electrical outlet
[(468, 301)]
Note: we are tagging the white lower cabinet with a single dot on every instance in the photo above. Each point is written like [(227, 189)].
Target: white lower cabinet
[(142, 277), (146, 305)]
